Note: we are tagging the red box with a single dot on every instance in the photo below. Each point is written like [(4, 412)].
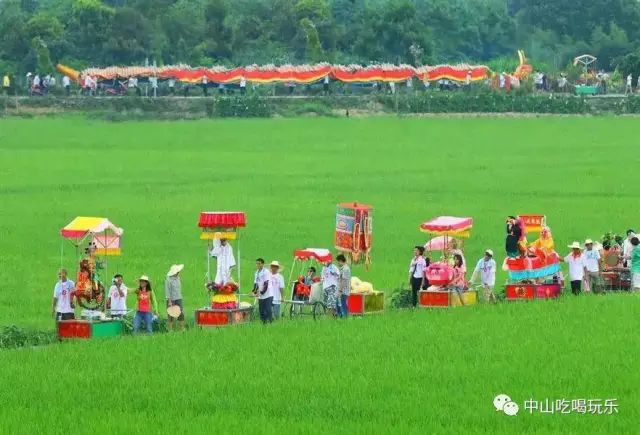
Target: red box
[(212, 318), (547, 291), (74, 329), (433, 299), (355, 303), (520, 292)]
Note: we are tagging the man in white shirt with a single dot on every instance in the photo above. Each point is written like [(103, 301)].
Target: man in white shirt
[(276, 285), (172, 86), (223, 252), (417, 268), (62, 307), (629, 88), (261, 291), (592, 266), (576, 263), (330, 275), (243, 85), (66, 84), (486, 267), (118, 297)]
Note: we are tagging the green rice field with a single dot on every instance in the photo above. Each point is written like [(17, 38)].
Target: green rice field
[(399, 372)]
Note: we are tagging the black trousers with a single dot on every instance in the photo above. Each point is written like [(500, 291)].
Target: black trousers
[(266, 311), (576, 287), (415, 288)]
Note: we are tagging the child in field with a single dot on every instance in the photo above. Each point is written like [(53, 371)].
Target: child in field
[(458, 282), (486, 267)]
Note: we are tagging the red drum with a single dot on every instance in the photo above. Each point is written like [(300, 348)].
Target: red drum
[(439, 274)]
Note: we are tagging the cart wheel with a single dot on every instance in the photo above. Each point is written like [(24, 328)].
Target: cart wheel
[(319, 311)]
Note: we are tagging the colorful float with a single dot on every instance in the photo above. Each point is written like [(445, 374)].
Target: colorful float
[(307, 298), (615, 275), (225, 307), (535, 272), (354, 229), (94, 239), (446, 230), (298, 74)]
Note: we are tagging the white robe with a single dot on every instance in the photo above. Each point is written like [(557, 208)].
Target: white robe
[(225, 261)]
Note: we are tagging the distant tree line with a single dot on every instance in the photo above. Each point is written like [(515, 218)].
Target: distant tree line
[(35, 34)]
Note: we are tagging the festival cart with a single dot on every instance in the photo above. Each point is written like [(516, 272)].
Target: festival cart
[(440, 273), (614, 275), (534, 275), (307, 298), (100, 239), (354, 228), (225, 307)]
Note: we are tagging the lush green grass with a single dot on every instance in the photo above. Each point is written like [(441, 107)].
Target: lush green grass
[(401, 371)]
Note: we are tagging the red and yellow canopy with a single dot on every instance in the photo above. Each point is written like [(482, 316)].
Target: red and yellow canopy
[(104, 235), (448, 226)]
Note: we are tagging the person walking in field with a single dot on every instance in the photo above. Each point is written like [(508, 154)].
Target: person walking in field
[(146, 306), (576, 263), (118, 297), (486, 268), (417, 268), (275, 287), (62, 307), (344, 286), (173, 294), (629, 88), (330, 275), (261, 291), (593, 280)]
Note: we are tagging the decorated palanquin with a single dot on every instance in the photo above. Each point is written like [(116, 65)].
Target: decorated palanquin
[(99, 238), (440, 273), (535, 273), (225, 307), (218, 226), (354, 228), (540, 259)]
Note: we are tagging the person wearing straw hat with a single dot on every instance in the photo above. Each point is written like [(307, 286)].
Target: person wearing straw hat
[(276, 285), (592, 265), (486, 267), (173, 294), (146, 305), (575, 260)]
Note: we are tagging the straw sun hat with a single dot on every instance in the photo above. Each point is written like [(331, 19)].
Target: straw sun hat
[(175, 269)]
